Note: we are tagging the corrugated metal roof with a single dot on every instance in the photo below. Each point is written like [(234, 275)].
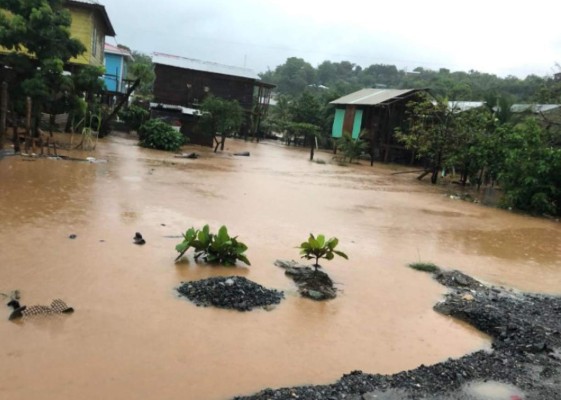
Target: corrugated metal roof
[(205, 66), (171, 107), (459, 106), (109, 48), (371, 97), (534, 108)]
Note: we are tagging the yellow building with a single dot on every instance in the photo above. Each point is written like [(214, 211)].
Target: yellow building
[(90, 25)]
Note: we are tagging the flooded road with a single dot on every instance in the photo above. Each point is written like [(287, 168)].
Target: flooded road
[(132, 337)]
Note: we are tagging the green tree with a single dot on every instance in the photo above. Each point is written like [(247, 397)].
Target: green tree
[(307, 108), (37, 34), (293, 76), (220, 117), (280, 116), (430, 133), (530, 176), (142, 68), (309, 131)]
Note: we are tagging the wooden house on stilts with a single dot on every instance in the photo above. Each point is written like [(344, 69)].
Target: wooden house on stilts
[(376, 113), (182, 84)]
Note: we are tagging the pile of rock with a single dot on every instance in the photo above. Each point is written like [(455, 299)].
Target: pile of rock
[(525, 362), (232, 292), (315, 285)]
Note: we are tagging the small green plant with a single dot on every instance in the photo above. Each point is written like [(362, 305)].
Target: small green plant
[(156, 134), (352, 148), (424, 266), (218, 248), (316, 248)]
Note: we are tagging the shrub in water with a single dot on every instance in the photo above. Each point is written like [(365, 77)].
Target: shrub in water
[(316, 248), (218, 248), (156, 134)]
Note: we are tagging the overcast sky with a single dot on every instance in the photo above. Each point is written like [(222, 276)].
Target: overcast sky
[(500, 37)]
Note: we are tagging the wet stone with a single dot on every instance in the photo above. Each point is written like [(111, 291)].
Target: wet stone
[(232, 292), (315, 285), (138, 239)]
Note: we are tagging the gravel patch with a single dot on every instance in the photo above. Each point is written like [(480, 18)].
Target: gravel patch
[(524, 363), (233, 292)]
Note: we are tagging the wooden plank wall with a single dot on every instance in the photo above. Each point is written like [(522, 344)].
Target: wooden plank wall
[(187, 87)]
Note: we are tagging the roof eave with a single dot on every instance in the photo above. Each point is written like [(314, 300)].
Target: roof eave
[(99, 8)]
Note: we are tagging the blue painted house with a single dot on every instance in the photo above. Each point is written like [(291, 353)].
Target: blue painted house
[(116, 68)]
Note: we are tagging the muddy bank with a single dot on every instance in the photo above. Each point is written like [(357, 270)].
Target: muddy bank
[(524, 363)]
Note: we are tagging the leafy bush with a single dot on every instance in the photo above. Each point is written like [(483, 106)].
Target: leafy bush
[(156, 134), (530, 176), (316, 248), (218, 248), (351, 148), (134, 116)]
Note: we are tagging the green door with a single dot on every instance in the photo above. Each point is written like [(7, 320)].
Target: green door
[(357, 124), (337, 131)]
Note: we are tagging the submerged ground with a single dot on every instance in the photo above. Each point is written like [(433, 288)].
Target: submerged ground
[(131, 337)]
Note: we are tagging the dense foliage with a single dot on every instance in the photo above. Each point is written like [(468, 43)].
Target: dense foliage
[(522, 156), (296, 75), (141, 67), (37, 34), (218, 248), (157, 134), (134, 116), (531, 173)]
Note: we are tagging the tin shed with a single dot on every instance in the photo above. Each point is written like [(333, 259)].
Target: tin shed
[(376, 112)]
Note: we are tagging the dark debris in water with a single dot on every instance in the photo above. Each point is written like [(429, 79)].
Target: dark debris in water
[(232, 292)]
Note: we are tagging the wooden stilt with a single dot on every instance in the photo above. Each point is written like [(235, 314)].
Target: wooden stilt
[(3, 113)]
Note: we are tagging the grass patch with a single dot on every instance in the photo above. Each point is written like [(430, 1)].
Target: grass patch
[(425, 267), (319, 161)]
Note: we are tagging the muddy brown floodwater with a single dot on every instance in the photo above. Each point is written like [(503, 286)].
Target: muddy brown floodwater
[(131, 337)]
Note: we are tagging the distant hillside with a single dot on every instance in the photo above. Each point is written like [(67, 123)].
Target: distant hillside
[(295, 75)]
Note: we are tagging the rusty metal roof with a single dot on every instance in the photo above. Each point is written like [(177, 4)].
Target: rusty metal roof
[(205, 66), (372, 97)]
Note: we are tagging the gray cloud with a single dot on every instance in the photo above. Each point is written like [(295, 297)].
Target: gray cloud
[(261, 34)]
